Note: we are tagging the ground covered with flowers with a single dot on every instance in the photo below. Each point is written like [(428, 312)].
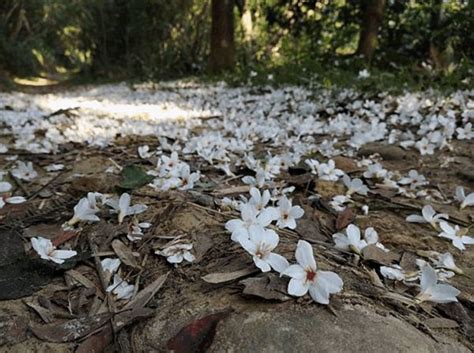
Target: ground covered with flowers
[(190, 217)]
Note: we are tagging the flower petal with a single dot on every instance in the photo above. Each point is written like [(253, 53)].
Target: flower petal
[(295, 271), (297, 287), (304, 255), (333, 283), (428, 277), (319, 292), (277, 262)]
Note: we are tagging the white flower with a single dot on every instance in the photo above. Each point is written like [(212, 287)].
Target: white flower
[(413, 179), (313, 164), (187, 179), (85, 210), (375, 171), (14, 200), (328, 171), (465, 133), (24, 171), (176, 253), (462, 198), (456, 235), (305, 276), (354, 186), (123, 207), (428, 216), (372, 238), (365, 209), (424, 146), (110, 265), (394, 272), (287, 213), (120, 288), (54, 167), (47, 251), (338, 202), (5, 186), (446, 261), (248, 213), (434, 292), (144, 152), (350, 241), (259, 200), (363, 74), (257, 181), (135, 230), (260, 245)]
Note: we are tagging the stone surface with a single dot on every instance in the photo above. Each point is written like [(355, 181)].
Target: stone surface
[(313, 331)]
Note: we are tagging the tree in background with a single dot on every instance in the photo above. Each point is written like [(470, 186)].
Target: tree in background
[(222, 54), (372, 16)]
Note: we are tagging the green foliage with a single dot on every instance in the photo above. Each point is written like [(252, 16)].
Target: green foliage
[(295, 40), (134, 177)]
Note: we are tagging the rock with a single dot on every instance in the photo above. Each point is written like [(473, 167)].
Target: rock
[(317, 330), (347, 165), (328, 189), (387, 152), (466, 174)]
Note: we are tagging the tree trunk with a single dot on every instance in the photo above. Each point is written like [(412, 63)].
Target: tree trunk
[(435, 24), (372, 16), (222, 55)]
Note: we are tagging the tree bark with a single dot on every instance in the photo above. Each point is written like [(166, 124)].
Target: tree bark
[(372, 16), (222, 56)]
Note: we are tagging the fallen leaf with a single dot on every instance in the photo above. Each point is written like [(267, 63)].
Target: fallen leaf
[(345, 218), (232, 190), (134, 177), (268, 286), (12, 329), (44, 313), (375, 254), (70, 330), (80, 278), (97, 343), (221, 277), (197, 336), (125, 254)]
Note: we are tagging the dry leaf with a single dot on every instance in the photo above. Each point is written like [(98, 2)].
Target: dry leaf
[(125, 254), (70, 330), (221, 277), (345, 218), (373, 253), (268, 286)]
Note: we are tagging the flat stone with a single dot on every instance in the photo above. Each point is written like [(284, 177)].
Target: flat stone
[(317, 330), (387, 152)]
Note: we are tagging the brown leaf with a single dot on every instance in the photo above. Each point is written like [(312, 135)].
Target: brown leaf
[(80, 278), (145, 295), (373, 253), (268, 286), (70, 330), (345, 218), (98, 342), (12, 329), (197, 336), (221, 277), (310, 230), (125, 254), (45, 314)]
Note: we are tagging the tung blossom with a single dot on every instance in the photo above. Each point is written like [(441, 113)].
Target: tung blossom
[(287, 214), (464, 200), (354, 186), (176, 253), (434, 292), (260, 244), (428, 216), (305, 276), (120, 288), (85, 210), (124, 208), (457, 235), (249, 216), (47, 251), (351, 241), (24, 171)]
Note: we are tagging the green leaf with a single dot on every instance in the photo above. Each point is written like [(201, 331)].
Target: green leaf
[(134, 177)]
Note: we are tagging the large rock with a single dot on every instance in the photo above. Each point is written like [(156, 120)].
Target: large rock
[(319, 331)]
